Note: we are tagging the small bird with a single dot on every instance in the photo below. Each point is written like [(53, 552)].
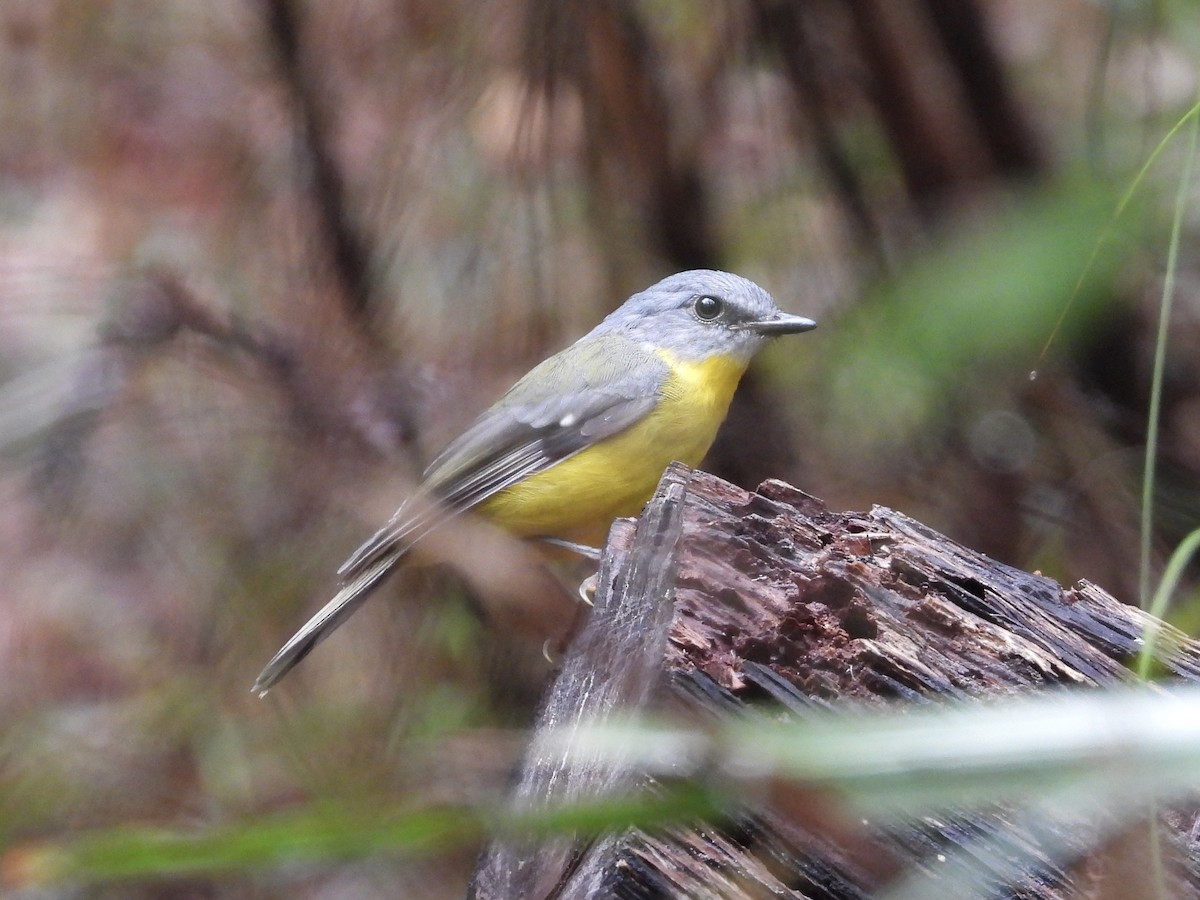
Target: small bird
[(584, 437)]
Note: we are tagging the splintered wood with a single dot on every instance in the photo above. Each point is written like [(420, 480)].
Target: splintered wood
[(722, 599)]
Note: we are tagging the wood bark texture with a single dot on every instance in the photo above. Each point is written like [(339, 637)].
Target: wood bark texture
[(721, 598)]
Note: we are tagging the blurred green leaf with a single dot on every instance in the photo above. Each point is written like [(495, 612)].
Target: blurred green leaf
[(327, 833), (992, 293), (317, 832), (1133, 743)]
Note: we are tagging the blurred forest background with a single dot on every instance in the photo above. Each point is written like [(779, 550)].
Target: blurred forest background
[(260, 260)]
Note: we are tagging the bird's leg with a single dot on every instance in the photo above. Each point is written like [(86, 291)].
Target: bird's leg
[(592, 553), (587, 588)]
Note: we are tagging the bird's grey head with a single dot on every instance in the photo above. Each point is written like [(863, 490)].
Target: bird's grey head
[(699, 313)]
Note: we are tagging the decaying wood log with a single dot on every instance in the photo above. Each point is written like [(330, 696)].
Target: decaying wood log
[(718, 598)]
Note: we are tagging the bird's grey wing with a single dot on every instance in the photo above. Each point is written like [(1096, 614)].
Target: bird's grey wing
[(588, 392)]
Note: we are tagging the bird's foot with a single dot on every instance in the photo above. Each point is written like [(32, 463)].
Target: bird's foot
[(587, 589)]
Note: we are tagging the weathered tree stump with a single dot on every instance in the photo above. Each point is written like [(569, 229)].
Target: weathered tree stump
[(718, 598)]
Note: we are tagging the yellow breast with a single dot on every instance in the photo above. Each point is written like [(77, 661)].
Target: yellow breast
[(578, 498)]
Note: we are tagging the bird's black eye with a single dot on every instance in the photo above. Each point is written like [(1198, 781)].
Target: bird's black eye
[(708, 308)]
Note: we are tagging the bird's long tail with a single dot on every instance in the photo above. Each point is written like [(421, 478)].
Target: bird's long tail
[(348, 599)]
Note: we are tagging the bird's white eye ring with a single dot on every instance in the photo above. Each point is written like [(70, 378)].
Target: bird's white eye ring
[(708, 307)]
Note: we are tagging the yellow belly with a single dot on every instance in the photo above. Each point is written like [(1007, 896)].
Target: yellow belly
[(579, 498)]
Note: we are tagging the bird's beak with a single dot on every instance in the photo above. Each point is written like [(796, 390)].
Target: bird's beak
[(780, 323)]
